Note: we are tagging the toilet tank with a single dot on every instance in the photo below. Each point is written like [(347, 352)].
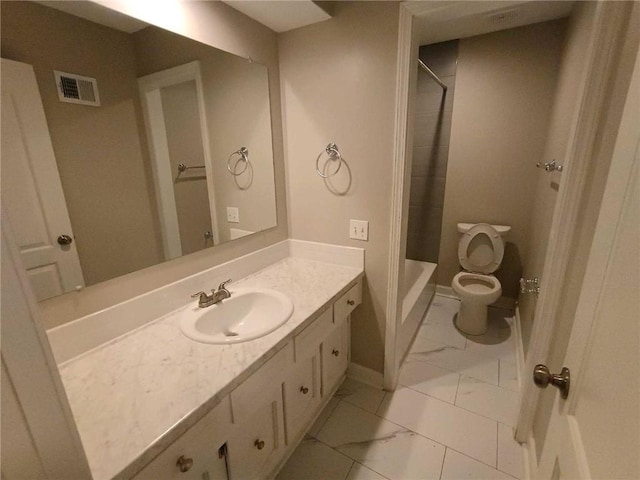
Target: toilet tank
[(501, 229)]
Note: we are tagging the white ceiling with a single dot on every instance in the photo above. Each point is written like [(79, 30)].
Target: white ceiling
[(281, 16), (98, 14), (438, 21)]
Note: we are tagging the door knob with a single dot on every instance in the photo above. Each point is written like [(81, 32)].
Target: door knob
[(184, 464), (304, 390), (259, 444), (542, 377), (65, 240)]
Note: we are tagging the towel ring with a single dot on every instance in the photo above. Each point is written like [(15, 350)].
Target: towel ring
[(244, 157), (334, 153)]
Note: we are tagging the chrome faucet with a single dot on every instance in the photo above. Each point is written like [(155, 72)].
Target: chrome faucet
[(205, 300)]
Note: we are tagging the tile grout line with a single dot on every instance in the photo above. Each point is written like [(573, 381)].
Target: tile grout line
[(453, 404), (446, 449), (424, 436)]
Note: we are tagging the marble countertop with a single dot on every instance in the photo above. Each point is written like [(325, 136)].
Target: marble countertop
[(135, 395)]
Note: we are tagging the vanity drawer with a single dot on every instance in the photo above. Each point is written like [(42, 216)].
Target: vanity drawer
[(265, 382), (308, 341), (198, 447), (347, 302)]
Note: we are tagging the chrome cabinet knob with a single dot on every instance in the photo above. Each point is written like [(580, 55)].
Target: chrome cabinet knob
[(184, 464), (335, 352), (304, 390), (542, 378), (65, 240), (259, 444), (351, 302)]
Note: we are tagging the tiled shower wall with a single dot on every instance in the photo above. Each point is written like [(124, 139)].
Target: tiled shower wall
[(430, 151)]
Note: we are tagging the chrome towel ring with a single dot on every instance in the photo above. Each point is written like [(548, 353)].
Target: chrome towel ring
[(334, 154), (243, 153)]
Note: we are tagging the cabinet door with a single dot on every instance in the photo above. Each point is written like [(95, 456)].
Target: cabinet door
[(301, 396), (256, 445), (197, 452), (334, 358)]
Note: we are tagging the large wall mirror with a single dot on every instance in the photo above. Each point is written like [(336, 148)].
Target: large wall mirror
[(162, 144)]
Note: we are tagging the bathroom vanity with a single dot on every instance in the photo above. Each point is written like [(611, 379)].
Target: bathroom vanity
[(153, 404)]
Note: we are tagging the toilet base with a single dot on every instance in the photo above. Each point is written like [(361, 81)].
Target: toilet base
[(472, 318)]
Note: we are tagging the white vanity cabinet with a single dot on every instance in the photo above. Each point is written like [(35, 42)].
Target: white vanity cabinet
[(249, 434), (198, 454)]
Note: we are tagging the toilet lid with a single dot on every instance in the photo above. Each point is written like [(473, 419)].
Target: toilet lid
[(481, 249)]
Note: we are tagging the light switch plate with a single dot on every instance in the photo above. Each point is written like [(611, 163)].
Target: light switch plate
[(233, 215), (359, 229)]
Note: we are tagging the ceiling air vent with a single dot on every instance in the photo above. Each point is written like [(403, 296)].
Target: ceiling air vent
[(505, 16), (74, 88)]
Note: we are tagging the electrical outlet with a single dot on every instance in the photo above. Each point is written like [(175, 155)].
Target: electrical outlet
[(233, 215), (359, 229)]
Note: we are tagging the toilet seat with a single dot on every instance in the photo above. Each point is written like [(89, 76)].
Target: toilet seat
[(484, 289), (478, 265)]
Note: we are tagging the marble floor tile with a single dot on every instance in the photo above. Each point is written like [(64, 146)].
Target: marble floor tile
[(488, 400), (360, 472), (454, 359), (444, 332), (510, 453), (509, 376), (442, 422), (457, 466), (360, 394), (322, 418), (493, 347), (313, 460), (390, 450), (442, 310), (429, 379)]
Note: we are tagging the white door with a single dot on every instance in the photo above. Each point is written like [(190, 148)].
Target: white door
[(32, 197), (595, 433)]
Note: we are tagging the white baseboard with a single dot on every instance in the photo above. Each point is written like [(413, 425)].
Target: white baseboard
[(445, 291), (365, 375), (503, 302), (519, 348), (530, 459)]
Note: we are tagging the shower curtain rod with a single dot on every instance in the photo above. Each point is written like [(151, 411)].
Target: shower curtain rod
[(433, 75)]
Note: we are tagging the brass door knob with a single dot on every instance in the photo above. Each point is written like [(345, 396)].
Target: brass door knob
[(64, 240), (304, 390), (184, 464), (542, 378), (259, 444), (335, 352)]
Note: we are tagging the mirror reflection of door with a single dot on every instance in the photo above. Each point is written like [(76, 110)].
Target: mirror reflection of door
[(32, 196), (173, 106), (190, 187)]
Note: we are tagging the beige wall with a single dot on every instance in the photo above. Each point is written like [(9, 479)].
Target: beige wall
[(101, 155), (236, 98), (505, 84), (184, 140), (338, 85), (220, 26)]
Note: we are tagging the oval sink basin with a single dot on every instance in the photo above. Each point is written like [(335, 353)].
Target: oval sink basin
[(247, 315)]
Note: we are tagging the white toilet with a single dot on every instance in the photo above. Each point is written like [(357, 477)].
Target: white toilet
[(480, 253)]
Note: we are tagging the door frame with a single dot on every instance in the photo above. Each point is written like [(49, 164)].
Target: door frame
[(608, 34), (149, 87), (44, 410)]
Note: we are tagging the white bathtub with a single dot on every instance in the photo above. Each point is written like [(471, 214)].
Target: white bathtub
[(419, 287), (419, 283)]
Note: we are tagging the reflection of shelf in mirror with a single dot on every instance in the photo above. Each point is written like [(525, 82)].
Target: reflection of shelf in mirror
[(183, 168)]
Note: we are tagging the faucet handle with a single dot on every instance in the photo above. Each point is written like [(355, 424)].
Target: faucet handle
[(199, 294), (223, 285)]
